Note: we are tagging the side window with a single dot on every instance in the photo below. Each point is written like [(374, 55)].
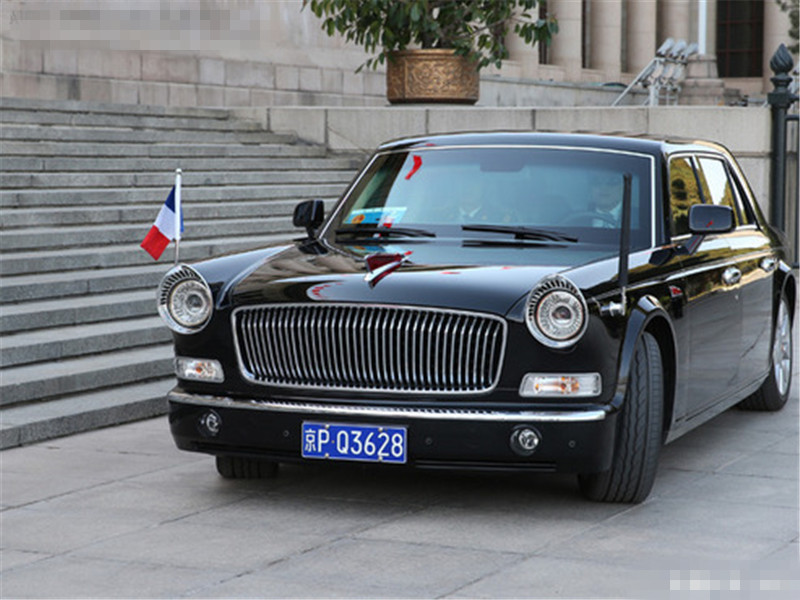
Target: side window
[(716, 185), (683, 193)]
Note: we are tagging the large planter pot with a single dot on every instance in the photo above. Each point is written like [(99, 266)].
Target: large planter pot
[(431, 75)]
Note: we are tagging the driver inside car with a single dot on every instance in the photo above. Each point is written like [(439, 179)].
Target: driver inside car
[(606, 201)]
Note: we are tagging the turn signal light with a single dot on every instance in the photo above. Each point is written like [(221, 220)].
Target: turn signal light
[(199, 369), (552, 385)]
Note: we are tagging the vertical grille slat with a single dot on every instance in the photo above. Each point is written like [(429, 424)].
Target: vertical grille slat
[(256, 343), (372, 348)]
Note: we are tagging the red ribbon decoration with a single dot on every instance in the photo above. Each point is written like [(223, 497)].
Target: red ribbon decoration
[(415, 168)]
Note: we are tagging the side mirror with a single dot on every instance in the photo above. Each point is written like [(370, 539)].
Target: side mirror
[(710, 218), (703, 220), (309, 214)]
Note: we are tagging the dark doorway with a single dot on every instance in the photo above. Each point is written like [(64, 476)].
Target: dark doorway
[(740, 38)]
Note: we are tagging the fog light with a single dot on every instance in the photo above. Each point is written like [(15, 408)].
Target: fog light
[(199, 369), (557, 385), (210, 423), (525, 440)]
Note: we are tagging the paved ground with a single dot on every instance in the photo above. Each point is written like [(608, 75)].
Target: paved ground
[(121, 513)]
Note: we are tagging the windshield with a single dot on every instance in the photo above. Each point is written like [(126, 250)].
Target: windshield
[(574, 192)]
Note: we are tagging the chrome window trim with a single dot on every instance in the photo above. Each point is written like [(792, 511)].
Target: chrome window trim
[(431, 414), (340, 202), (247, 376)]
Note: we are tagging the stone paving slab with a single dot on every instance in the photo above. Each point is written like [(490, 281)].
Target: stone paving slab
[(121, 513)]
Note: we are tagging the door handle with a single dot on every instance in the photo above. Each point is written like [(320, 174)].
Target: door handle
[(768, 264), (731, 276)]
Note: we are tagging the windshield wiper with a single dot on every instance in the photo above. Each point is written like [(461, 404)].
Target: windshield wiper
[(379, 232), (523, 233)]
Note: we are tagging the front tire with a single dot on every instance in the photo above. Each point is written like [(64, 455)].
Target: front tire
[(639, 434), (237, 467), (774, 392)]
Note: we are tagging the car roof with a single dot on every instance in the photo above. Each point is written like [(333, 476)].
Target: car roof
[(658, 146)]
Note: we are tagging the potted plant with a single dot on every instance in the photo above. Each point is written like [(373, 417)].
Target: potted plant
[(434, 48)]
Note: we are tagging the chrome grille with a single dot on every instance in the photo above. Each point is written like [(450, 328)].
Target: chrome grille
[(379, 348)]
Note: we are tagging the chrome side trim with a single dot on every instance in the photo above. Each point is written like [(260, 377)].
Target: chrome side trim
[(437, 414)]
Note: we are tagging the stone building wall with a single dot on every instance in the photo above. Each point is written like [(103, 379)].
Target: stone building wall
[(179, 53), (238, 53), (232, 53)]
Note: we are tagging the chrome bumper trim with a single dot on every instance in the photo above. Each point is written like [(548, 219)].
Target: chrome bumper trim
[(442, 414)]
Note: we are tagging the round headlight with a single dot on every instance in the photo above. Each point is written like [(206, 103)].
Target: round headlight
[(556, 312), (185, 302), (190, 303)]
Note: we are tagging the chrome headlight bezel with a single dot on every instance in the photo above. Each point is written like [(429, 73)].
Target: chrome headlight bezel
[(551, 294), (172, 306)]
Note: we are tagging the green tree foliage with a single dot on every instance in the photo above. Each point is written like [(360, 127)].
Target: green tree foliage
[(474, 28)]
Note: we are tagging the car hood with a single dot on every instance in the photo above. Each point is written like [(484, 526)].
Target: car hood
[(299, 274)]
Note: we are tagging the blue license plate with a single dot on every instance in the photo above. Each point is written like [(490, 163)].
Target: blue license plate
[(368, 443)]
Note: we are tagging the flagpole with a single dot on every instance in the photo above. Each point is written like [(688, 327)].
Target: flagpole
[(178, 214)]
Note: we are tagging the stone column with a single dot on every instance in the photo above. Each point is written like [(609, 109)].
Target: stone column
[(524, 56), (703, 85), (776, 32), (641, 34), (566, 47), (607, 37), (676, 19)]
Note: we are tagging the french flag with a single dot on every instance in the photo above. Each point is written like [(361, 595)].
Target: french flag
[(165, 229)]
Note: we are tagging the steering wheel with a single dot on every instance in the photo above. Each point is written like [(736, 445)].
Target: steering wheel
[(589, 216)]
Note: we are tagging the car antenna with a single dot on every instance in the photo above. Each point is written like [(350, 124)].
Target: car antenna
[(620, 308)]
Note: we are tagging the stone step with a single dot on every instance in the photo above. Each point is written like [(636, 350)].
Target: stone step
[(81, 149), (41, 238), (108, 135), (30, 164), (141, 213), (24, 198), (36, 421), (98, 108), (80, 185), (190, 179), (44, 286), (36, 383), (45, 118), (81, 310), (127, 255), (58, 343)]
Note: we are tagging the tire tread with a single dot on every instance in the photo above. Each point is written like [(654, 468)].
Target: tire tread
[(635, 462)]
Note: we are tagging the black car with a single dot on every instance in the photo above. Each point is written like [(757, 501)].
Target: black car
[(513, 301)]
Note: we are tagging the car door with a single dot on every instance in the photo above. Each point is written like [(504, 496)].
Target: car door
[(754, 263), (710, 332)]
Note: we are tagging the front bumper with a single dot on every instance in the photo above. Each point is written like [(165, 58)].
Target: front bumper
[(579, 441)]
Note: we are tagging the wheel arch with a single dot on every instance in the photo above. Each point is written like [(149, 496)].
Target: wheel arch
[(647, 315), (789, 288)]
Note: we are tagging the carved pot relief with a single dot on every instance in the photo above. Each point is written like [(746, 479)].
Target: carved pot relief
[(431, 75)]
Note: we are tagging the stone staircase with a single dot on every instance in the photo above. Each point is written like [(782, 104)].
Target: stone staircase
[(81, 345)]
